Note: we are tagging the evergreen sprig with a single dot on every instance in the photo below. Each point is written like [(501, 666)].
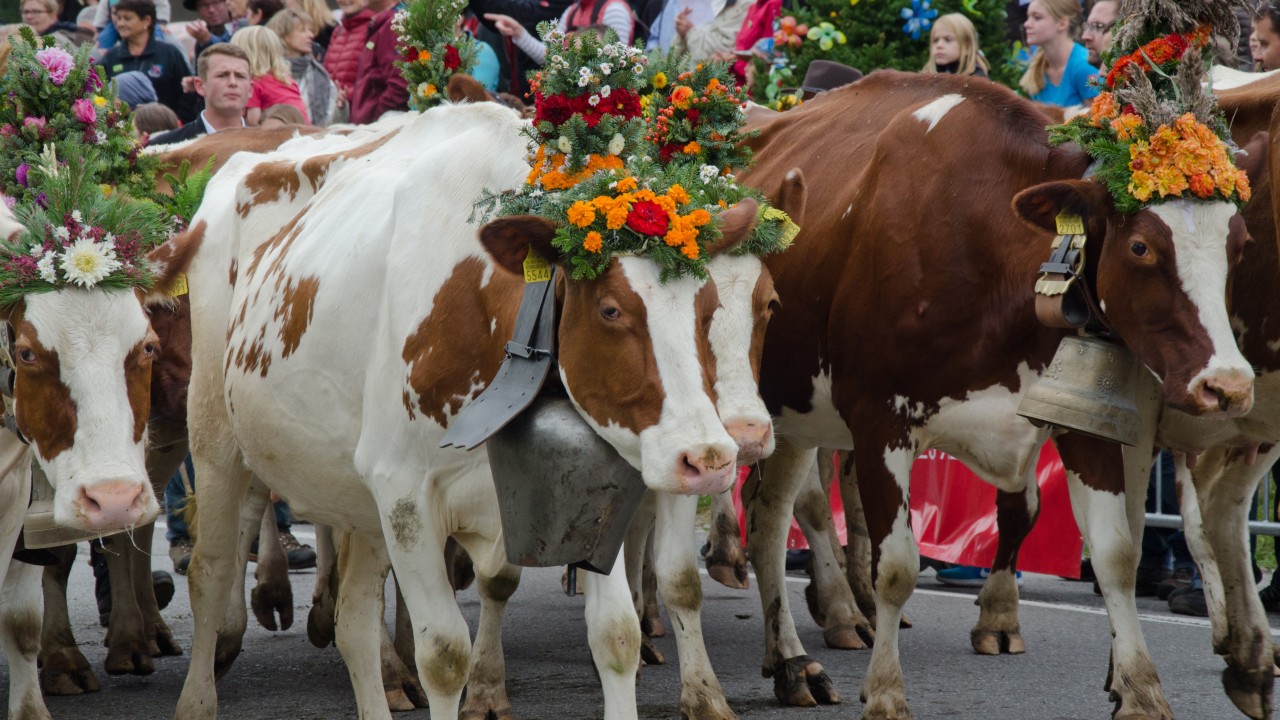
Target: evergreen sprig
[(431, 50)]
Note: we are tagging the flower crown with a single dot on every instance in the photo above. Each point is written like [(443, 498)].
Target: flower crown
[(1157, 133), (431, 51), (700, 119)]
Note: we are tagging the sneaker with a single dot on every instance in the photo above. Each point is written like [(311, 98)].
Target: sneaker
[(300, 556), (1181, 578), (180, 554), (1189, 602), (1270, 597), (969, 576)]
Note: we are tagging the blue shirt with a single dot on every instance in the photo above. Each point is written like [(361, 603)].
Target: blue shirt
[(486, 69), (1075, 88)]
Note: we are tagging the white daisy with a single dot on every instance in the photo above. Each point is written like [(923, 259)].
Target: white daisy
[(707, 173), (584, 80), (48, 272), (75, 215), (606, 68), (594, 100), (86, 263), (604, 91), (564, 144), (616, 143), (62, 233), (638, 69)]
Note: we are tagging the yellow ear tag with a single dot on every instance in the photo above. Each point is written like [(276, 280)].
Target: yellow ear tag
[(1069, 224), (536, 267), (789, 228), (179, 286)]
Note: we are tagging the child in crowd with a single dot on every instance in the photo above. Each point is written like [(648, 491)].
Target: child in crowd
[(1059, 72), (272, 82), (954, 43), (281, 115), (151, 118)]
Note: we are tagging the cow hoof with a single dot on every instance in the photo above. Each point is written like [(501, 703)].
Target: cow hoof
[(892, 709), (224, 658), (730, 574), (320, 631), (128, 661), (801, 682), (706, 708), (989, 642), (163, 642), (66, 672), (904, 622), (398, 702), (848, 637), (501, 714), (269, 599), (483, 706), (1250, 691), (653, 627), (650, 653)]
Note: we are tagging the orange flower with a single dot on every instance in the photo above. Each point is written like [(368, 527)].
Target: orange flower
[(1242, 186), (582, 213), (644, 194), (626, 184), (677, 193), (693, 148), (593, 242), (681, 96), (1142, 185), (666, 203), (1202, 185), (690, 250), (700, 217), (714, 85), (617, 217), (1169, 181), (1104, 108), (1126, 125)]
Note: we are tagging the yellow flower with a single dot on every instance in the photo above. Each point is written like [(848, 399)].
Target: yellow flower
[(582, 213), (424, 57), (593, 242), (426, 90), (660, 80), (99, 101), (107, 190), (626, 184), (1126, 125), (1169, 181), (1142, 185), (677, 193)]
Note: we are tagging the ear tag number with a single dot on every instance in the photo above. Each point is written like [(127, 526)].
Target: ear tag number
[(1069, 224), (179, 286), (536, 267)]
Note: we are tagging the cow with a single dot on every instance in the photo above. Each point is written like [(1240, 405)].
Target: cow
[(358, 449), (902, 331)]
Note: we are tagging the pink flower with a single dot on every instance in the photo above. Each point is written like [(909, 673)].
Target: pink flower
[(57, 62), (33, 121), (84, 111)]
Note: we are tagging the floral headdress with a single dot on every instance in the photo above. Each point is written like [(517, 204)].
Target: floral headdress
[(698, 118), (80, 236), (1156, 131), (55, 97), (432, 52), (596, 177)]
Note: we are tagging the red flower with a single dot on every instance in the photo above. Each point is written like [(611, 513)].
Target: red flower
[(410, 54), (648, 218), (451, 59), (555, 109), (693, 116), (666, 152), (624, 103)]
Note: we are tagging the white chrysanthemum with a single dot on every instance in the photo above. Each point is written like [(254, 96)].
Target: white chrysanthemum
[(616, 143), (86, 263), (48, 271), (707, 173), (594, 100), (584, 71), (75, 215), (62, 233), (638, 69), (564, 144), (604, 91), (606, 68), (584, 81)]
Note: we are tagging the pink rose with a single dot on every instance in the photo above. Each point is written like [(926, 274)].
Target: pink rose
[(33, 121), (57, 62), (84, 111)]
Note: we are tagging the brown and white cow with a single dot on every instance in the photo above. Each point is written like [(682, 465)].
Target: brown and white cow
[(903, 330), (329, 358)]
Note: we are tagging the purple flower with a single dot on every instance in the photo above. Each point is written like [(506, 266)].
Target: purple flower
[(93, 82), (57, 62), (42, 200), (21, 174), (8, 131), (84, 111)]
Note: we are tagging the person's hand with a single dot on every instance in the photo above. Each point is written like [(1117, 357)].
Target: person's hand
[(189, 84), (723, 57), (199, 31), (505, 24), (342, 98), (683, 26)]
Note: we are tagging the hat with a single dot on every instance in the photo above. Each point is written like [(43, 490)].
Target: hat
[(135, 88), (824, 75)]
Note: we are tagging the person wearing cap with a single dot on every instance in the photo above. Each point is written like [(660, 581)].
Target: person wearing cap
[(214, 25), (135, 89)]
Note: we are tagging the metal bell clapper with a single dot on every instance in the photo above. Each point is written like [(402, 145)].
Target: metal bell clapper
[(565, 495), (1090, 387)]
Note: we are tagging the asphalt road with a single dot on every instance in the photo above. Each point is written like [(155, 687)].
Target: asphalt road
[(550, 676)]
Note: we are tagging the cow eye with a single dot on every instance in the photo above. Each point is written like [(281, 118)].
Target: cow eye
[(608, 312), (149, 349), (1139, 249), (27, 355)]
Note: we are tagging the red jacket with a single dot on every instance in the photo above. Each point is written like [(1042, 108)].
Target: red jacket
[(344, 49), (379, 85)]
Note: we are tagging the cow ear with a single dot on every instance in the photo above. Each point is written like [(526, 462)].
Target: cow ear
[(1253, 159), (736, 225), (1039, 206), (463, 87), (170, 261), (508, 240)]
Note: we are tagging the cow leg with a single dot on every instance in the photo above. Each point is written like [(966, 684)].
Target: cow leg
[(20, 622), (998, 630), (726, 557), (637, 557), (63, 668), (156, 632), (1224, 488), (613, 632), (487, 680), (884, 475), (236, 618), (166, 449), (769, 495), (128, 648), (272, 593), (320, 622), (858, 552), (681, 587), (400, 685), (1112, 522), (828, 595)]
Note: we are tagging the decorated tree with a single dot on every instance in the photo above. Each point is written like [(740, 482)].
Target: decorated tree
[(874, 34), (431, 49)]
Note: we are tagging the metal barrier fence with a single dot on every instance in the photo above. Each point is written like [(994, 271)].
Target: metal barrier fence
[(1264, 505)]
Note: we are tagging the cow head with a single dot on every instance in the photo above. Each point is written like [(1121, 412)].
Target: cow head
[(635, 356), (82, 361), (1161, 280)]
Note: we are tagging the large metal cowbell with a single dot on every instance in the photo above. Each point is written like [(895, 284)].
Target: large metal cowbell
[(564, 494)]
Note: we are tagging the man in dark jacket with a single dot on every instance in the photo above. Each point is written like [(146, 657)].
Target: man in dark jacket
[(138, 49), (223, 80), (528, 13), (379, 85)]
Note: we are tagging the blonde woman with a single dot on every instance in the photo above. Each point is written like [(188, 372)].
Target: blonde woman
[(272, 82), (322, 22), (954, 48), (317, 88), (1059, 72)]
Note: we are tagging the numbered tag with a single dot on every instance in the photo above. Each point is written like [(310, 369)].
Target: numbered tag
[(789, 228), (536, 267), (179, 286), (1069, 224)]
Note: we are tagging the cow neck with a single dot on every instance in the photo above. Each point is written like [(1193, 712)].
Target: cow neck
[(1254, 302)]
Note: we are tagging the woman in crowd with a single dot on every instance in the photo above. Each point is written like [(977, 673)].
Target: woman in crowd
[(1059, 72), (317, 88), (344, 48), (261, 11), (954, 48), (281, 115), (322, 22), (107, 35), (42, 16), (138, 49), (613, 14), (272, 82)]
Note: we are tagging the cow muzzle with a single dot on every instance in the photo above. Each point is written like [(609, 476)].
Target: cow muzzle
[(1223, 393), (754, 439), (706, 469), (112, 505)]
